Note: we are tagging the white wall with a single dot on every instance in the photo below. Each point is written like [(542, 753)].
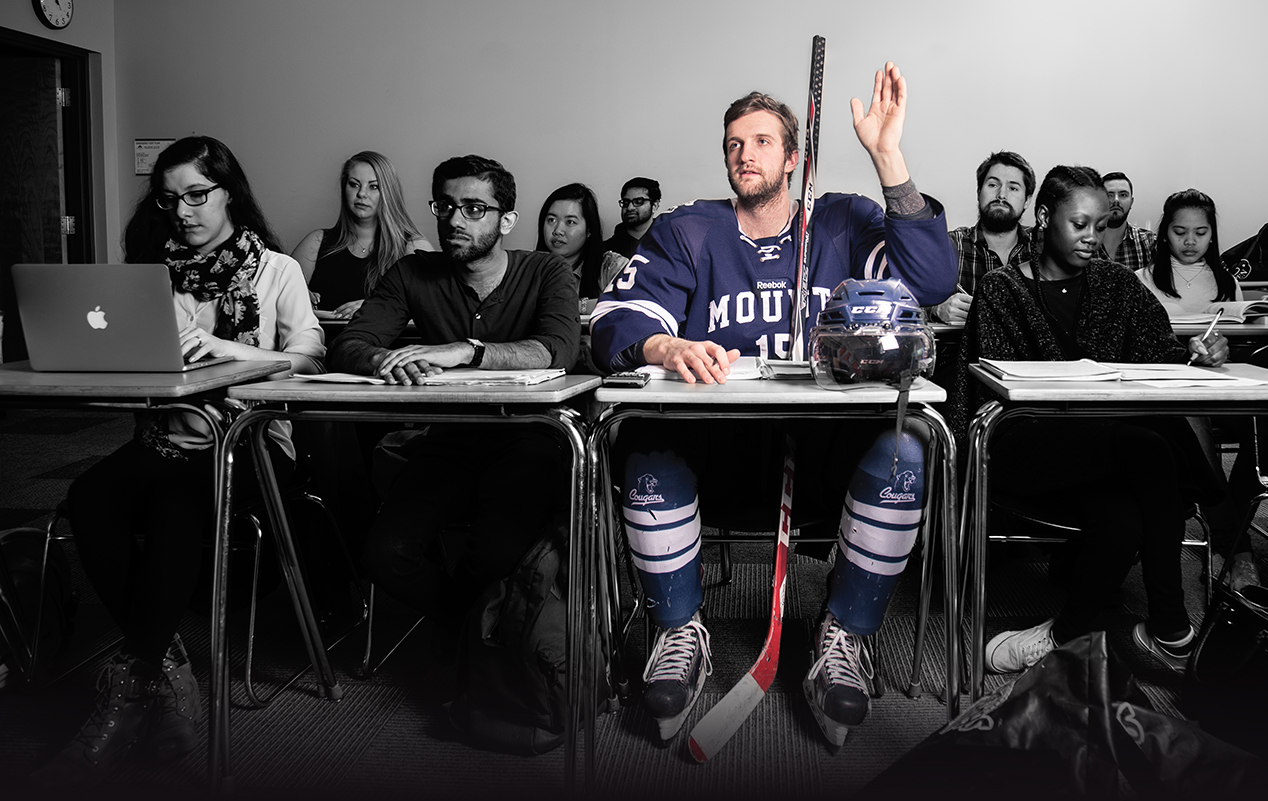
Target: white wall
[(92, 28), (1169, 91)]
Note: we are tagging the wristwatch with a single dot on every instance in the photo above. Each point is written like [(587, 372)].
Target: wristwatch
[(479, 352)]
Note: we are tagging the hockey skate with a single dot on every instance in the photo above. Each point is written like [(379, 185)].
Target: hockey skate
[(839, 683), (675, 674)]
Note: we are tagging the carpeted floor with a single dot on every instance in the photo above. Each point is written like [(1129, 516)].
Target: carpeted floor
[(389, 735)]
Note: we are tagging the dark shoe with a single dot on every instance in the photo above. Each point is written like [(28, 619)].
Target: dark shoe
[(178, 707), (839, 683), (119, 722), (1173, 654), (675, 674)]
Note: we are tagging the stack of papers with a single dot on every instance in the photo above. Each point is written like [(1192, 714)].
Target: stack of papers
[(1082, 370), (458, 376), (745, 368), (1149, 375)]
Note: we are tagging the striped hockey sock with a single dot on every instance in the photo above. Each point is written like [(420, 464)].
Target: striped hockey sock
[(882, 515), (662, 520)]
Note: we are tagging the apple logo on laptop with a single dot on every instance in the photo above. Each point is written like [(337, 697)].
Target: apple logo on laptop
[(97, 318)]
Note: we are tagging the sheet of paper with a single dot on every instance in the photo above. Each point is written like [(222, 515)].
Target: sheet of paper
[(472, 376), (1168, 372), (1081, 370), (341, 378)]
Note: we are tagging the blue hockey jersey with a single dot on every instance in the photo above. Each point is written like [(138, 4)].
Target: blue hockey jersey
[(696, 275)]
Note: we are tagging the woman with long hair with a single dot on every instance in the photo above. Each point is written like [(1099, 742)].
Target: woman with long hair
[(1128, 481), (1188, 275), (568, 225), (342, 264), (142, 515)]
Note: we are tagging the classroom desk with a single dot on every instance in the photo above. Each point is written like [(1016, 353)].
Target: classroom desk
[(295, 399), (782, 400), (22, 387), (1065, 398)]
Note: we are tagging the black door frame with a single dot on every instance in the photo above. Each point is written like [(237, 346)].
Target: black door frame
[(77, 167)]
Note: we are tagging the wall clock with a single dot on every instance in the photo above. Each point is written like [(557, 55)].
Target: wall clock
[(54, 14)]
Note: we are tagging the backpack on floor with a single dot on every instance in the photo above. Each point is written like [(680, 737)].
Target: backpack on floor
[(514, 660), (21, 551)]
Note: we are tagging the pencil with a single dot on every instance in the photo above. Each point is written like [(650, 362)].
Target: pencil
[(1207, 333)]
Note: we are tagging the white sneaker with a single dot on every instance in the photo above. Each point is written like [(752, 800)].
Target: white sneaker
[(675, 674), (1014, 651), (838, 684)]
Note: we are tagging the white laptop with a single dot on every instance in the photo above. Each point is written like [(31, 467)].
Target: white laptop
[(116, 318)]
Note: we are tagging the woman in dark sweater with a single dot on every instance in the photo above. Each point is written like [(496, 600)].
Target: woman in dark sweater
[(1127, 480)]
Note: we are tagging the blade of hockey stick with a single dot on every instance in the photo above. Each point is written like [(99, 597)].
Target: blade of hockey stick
[(809, 170), (724, 719)]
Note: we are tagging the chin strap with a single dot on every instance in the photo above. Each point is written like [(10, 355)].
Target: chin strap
[(904, 392)]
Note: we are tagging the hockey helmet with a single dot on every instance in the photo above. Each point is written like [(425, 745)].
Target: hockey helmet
[(870, 331)]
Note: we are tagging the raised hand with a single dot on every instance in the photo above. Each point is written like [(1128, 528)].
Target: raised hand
[(881, 129)]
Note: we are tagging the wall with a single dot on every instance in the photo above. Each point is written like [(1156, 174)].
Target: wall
[(561, 90), (92, 28)]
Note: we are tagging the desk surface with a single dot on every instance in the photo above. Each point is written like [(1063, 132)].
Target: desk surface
[(18, 379), (293, 390), (775, 392), (1125, 391)]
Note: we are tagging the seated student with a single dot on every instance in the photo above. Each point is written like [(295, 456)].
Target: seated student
[(1066, 303), (568, 226), (712, 281), (142, 515), (343, 263), (475, 304), (1187, 274)]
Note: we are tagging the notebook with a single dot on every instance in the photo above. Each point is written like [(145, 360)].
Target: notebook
[(115, 318)]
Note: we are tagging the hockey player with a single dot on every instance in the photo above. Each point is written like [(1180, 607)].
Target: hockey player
[(713, 280)]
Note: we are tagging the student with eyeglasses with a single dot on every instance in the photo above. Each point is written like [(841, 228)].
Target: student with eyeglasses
[(640, 197), (447, 527), (142, 515), (342, 264)]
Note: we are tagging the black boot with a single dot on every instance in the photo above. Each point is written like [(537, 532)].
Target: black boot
[(178, 707), (119, 722)]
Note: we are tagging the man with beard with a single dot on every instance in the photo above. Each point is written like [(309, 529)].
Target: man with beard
[(713, 280), (1005, 183), (640, 197), (447, 526), (1124, 243)]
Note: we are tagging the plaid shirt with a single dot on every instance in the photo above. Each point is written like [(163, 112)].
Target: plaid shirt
[(1135, 251), (976, 258)]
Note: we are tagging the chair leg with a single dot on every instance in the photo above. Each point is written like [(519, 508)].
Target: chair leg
[(726, 561)]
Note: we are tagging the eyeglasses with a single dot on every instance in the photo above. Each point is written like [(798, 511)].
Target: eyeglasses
[(195, 197), (472, 211), (636, 202)]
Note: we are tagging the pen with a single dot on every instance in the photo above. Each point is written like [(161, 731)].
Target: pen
[(960, 288), (1207, 333)]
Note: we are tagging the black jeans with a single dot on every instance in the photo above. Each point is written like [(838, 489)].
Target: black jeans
[(141, 521), (465, 508), (1128, 483)]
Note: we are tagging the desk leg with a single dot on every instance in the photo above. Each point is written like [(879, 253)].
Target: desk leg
[(979, 458), (289, 562)]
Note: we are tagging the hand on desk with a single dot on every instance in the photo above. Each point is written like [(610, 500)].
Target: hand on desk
[(1212, 353), (413, 363), (954, 309), (348, 309), (708, 360)]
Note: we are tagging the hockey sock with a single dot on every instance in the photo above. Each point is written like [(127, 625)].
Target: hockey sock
[(879, 522), (662, 520)]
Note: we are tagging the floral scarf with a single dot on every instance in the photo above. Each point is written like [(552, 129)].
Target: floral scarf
[(223, 275)]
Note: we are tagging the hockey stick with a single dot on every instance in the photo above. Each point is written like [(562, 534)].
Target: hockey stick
[(809, 166), (724, 719)]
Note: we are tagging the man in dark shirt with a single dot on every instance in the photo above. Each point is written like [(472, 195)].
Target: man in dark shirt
[(452, 520), (640, 197)]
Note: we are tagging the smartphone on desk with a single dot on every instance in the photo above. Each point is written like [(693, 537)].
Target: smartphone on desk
[(632, 378)]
